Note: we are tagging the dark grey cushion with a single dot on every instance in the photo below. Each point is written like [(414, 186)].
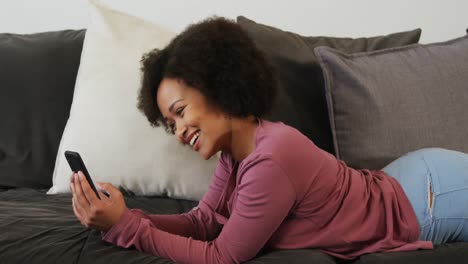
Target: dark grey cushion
[(456, 252), (301, 99), (37, 78), (386, 103)]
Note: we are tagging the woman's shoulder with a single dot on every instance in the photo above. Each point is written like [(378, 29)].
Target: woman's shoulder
[(279, 136), (288, 147)]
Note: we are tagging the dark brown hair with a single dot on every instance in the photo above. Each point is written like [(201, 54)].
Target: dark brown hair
[(218, 58)]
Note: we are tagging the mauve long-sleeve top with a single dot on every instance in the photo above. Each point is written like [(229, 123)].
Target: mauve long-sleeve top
[(286, 194)]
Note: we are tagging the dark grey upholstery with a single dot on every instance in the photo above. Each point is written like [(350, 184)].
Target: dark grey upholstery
[(301, 97), (386, 103), (37, 79)]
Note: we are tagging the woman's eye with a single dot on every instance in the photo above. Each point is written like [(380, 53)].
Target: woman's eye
[(179, 111)]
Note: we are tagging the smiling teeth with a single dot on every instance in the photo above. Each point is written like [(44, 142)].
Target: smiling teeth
[(194, 138)]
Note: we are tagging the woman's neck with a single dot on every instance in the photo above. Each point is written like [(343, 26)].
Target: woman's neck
[(243, 137)]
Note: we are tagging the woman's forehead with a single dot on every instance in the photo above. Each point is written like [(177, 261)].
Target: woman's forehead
[(169, 90)]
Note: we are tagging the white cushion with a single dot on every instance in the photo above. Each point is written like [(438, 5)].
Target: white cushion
[(113, 137)]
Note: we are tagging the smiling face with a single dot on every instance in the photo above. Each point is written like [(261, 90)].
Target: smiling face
[(192, 119)]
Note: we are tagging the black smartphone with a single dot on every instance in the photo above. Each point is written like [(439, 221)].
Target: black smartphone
[(76, 164)]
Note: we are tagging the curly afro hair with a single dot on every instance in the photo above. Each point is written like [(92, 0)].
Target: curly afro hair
[(218, 58)]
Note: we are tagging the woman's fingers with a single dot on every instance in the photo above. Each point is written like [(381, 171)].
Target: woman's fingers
[(92, 212), (88, 192), (76, 211), (79, 194), (110, 189)]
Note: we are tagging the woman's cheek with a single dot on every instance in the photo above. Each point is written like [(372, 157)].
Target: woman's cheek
[(206, 151)]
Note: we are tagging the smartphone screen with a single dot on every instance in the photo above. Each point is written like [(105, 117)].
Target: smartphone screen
[(77, 164)]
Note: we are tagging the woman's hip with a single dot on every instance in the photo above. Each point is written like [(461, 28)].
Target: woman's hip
[(442, 173)]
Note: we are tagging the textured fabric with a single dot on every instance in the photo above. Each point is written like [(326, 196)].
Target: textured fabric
[(114, 139), (37, 77), (386, 103), (301, 98), (37, 228), (444, 173), (448, 253), (286, 194)]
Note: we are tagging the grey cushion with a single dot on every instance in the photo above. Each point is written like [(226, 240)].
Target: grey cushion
[(386, 103), (456, 252), (37, 78), (301, 98)]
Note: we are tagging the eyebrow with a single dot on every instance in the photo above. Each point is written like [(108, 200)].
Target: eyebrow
[(172, 105)]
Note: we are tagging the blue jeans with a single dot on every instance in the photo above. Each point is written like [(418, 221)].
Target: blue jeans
[(444, 173)]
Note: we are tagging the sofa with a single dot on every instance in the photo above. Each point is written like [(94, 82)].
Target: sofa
[(366, 100)]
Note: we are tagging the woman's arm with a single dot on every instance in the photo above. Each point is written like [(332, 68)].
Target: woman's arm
[(201, 222), (265, 197)]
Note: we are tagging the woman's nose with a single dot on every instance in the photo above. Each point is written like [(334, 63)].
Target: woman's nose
[(181, 131)]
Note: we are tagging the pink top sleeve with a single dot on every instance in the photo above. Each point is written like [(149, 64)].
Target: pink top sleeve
[(201, 222), (257, 213)]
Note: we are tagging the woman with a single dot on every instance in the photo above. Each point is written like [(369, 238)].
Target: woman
[(272, 187)]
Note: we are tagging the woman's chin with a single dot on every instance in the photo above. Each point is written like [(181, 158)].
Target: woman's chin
[(205, 155)]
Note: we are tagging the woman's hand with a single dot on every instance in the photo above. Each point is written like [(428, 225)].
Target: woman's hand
[(92, 212)]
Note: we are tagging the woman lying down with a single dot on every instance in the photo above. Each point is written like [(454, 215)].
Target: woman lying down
[(272, 187)]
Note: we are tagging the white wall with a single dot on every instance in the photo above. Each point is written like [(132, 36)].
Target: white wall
[(440, 20)]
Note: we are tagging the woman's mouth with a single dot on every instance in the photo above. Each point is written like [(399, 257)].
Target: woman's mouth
[(194, 141)]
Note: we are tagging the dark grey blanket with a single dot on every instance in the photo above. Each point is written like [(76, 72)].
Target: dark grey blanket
[(40, 228)]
